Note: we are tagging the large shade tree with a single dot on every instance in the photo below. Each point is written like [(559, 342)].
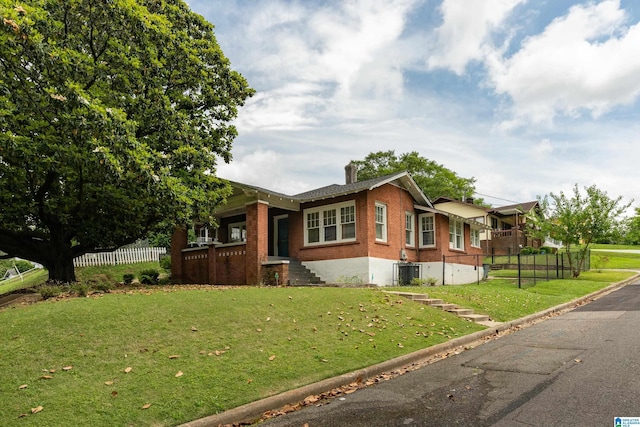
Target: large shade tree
[(112, 116), (434, 179), (577, 220)]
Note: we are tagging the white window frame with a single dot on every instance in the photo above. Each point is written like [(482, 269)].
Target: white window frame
[(422, 230), (456, 234), (348, 218), (475, 237), (381, 222), (242, 226), (409, 229), (338, 216)]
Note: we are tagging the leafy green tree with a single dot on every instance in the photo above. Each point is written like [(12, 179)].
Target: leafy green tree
[(434, 179), (631, 229), (577, 221), (112, 117)]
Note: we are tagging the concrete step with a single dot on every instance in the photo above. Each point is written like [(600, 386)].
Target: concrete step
[(461, 311), (444, 306), (429, 301), (475, 317)]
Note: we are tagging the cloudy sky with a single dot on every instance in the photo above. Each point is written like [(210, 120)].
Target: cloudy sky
[(528, 97)]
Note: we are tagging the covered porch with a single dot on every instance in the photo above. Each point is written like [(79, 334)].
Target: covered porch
[(248, 245)]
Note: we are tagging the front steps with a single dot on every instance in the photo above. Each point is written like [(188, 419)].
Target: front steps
[(465, 313)]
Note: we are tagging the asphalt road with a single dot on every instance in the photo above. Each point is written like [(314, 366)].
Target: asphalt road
[(581, 368)]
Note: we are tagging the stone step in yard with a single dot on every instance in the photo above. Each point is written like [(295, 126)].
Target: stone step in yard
[(465, 313)]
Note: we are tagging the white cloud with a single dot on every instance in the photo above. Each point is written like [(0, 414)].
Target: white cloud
[(315, 63), (584, 61), (465, 34), (542, 150), (262, 168)]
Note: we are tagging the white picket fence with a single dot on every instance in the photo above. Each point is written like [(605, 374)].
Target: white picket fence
[(120, 256)]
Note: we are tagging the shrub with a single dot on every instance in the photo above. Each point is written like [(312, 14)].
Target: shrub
[(528, 250), (23, 265), (127, 278), (165, 263), (149, 277), (429, 281), (50, 291), (104, 286), (80, 289)]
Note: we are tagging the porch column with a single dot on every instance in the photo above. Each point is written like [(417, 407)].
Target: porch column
[(257, 240), (178, 243)]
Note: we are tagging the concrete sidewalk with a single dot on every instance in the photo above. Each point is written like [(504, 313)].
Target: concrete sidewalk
[(253, 411)]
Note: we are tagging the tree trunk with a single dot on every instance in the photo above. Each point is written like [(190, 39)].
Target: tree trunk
[(59, 262)]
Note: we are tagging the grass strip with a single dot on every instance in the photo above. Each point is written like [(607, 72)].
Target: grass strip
[(29, 279), (502, 300)]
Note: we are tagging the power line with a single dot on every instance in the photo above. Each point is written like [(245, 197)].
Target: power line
[(498, 198)]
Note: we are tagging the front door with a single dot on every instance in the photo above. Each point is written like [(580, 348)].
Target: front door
[(282, 236)]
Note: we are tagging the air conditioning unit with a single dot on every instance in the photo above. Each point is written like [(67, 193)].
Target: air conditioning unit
[(403, 255)]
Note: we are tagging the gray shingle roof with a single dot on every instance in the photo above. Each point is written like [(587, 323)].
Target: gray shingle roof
[(337, 189)]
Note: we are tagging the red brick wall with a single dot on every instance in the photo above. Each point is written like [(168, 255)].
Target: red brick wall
[(195, 266), (358, 248), (268, 274), (230, 265), (397, 201), (442, 246)]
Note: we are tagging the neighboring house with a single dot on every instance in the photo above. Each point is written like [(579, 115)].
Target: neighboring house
[(507, 224), (377, 231)]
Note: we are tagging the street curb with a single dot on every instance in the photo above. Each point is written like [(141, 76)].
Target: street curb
[(251, 412)]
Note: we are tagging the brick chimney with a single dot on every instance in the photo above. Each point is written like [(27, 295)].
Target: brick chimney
[(351, 173)]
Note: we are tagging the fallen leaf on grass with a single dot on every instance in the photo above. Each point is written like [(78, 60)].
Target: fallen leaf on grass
[(67, 368), (179, 374), (249, 381), (174, 356), (46, 377), (36, 410), (108, 383), (272, 357), (22, 387), (194, 329), (114, 393), (127, 370), (146, 406)]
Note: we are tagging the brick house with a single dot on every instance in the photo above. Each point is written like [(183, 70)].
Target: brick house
[(381, 231)]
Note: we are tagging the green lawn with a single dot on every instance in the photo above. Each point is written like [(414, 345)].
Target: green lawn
[(234, 346), (196, 352)]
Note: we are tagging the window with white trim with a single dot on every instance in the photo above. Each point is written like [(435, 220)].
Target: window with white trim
[(322, 224), (427, 231), (408, 228), (330, 225), (381, 222), (238, 232), (348, 222), (456, 234), (475, 237)]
